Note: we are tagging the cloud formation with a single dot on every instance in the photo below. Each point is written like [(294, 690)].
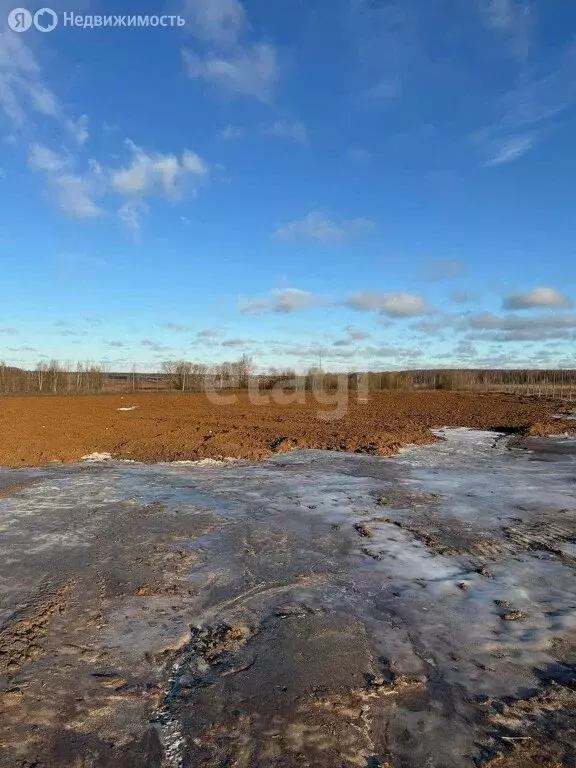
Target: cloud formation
[(172, 325), (516, 328), (445, 269), (231, 132), (541, 95), (512, 19), (353, 334), (251, 71), (219, 21), (390, 304), (357, 334), (538, 298), (155, 346), (319, 227), (238, 67), (294, 130), (150, 173), (283, 301), (81, 194), (510, 149), (488, 326), (75, 193), (459, 297), (24, 95), (235, 343), (131, 214)]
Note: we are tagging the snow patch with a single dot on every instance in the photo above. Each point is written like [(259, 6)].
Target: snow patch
[(97, 457), (199, 462)]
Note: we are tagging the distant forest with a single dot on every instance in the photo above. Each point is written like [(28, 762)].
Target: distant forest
[(180, 375)]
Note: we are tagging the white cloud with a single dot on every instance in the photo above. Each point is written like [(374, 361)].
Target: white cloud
[(293, 300), (42, 158), (155, 346), (437, 323), (317, 226), (510, 149), (115, 343), (247, 69), (78, 194), (499, 14), (388, 43), (43, 100), (515, 328), (250, 71), (22, 348), (235, 343), (254, 306), (20, 79), (488, 326), (356, 333), (172, 325), (542, 94), (353, 334), (384, 90), (23, 92), (79, 129), (538, 298), (230, 133), (513, 20), (131, 213), (390, 304), (217, 21), (284, 301), (75, 194), (23, 96), (193, 163), (150, 173), (285, 129)]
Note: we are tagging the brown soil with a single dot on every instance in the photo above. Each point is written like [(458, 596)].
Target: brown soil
[(37, 430), (536, 732), (19, 641)]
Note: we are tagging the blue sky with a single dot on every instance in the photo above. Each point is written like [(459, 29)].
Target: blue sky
[(389, 184)]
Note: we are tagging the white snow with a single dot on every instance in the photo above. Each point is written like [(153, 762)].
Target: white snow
[(97, 457)]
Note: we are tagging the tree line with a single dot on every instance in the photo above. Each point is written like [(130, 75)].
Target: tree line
[(55, 377)]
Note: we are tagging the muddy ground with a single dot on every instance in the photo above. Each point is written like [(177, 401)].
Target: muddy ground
[(317, 609), (37, 430)]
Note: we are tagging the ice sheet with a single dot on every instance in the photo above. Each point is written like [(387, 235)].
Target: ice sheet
[(425, 548)]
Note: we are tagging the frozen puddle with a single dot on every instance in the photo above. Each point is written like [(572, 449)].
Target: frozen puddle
[(457, 559)]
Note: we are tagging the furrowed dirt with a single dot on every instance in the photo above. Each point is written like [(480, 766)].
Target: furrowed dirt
[(37, 430)]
